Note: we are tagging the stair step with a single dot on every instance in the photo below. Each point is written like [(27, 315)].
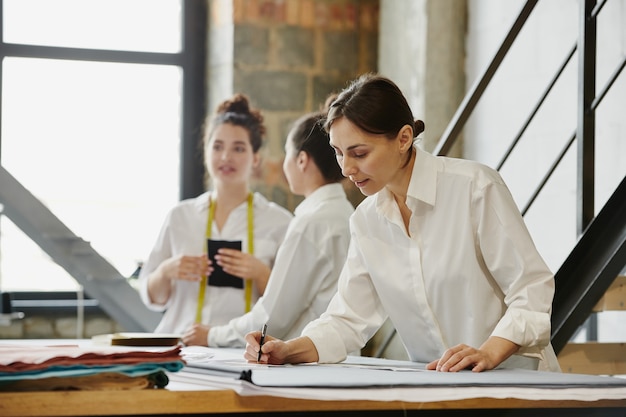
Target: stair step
[(594, 358), (614, 298)]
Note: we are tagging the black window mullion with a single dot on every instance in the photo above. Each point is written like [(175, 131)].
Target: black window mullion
[(194, 97), (99, 55)]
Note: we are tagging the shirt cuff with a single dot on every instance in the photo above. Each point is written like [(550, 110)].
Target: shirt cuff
[(525, 328), (216, 336), (329, 345)]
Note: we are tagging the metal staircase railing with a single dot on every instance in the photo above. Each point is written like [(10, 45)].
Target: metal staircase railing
[(590, 268)]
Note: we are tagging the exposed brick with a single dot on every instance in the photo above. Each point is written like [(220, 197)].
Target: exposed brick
[(273, 11), (39, 328), (273, 90), (289, 55), (368, 56), (273, 172), (15, 330), (293, 12), (239, 11), (369, 12), (307, 13), (281, 196), (98, 325), (323, 86), (251, 45), (335, 16), (295, 47), (251, 10), (322, 18), (66, 327), (350, 17), (341, 51)]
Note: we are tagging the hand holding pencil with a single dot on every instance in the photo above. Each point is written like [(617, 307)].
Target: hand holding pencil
[(263, 348)]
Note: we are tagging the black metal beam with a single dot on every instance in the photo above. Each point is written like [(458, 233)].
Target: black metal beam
[(591, 267), (586, 115)]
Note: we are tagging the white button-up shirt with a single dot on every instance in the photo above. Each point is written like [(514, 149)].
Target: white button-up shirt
[(467, 270), (184, 232), (304, 277)]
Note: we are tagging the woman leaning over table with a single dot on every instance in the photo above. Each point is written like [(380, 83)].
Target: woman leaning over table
[(172, 277), (438, 246)]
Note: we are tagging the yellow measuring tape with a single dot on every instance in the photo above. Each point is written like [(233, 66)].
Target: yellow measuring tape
[(247, 282)]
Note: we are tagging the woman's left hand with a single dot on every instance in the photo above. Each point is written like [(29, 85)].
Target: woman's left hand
[(491, 354), (197, 334), (245, 266)]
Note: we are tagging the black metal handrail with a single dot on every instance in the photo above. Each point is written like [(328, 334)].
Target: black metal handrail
[(468, 104), (533, 113)]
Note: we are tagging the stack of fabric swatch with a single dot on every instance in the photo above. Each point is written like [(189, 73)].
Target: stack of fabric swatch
[(72, 367)]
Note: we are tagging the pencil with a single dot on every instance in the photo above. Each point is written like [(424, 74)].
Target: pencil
[(263, 333)]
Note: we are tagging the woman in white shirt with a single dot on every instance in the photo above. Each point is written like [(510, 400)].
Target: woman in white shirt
[(174, 277), (308, 263), (438, 247)]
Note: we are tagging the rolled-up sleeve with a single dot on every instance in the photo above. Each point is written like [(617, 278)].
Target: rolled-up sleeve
[(515, 264)]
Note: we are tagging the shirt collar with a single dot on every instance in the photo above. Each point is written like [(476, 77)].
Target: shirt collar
[(423, 183), (323, 193), (202, 201)]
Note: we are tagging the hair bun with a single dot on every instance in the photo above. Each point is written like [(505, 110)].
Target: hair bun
[(418, 127), (237, 104)]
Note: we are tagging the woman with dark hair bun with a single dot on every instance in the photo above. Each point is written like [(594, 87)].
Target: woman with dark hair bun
[(178, 277), (438, 247)]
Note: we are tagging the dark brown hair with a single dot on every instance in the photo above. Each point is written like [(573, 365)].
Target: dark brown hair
[(237, 111), (374, 104), (308, 135)]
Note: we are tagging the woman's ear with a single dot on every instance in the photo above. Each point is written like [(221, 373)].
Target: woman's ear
[(256, 159), (302, 160), (405, 138)]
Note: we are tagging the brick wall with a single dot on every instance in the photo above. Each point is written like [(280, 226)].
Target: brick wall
[(289, 55), (58, 326)]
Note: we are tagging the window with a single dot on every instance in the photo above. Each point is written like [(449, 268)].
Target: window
[(101, 100)]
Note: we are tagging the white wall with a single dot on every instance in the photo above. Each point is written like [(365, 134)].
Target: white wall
[(550, 32)]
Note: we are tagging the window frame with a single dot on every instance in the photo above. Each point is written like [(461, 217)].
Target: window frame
[(192, 61)]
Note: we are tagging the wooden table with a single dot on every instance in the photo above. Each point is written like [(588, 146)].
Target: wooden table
[(216, 402)]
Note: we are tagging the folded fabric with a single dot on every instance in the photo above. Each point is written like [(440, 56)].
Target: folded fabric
[(85, 370), (70, 366), (101, 381), (16, 358)]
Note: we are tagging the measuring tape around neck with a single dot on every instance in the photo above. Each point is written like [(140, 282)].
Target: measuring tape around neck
[(247, 282)]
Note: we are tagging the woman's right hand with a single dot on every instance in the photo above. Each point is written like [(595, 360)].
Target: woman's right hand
[(277, 352), (181, 267), (187, 268), (270, 351)]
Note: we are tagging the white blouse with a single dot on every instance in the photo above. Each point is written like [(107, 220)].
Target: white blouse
[(304, 277), (184, 231), (467, 270)]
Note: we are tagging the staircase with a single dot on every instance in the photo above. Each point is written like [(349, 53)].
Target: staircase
[(599, 358)]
